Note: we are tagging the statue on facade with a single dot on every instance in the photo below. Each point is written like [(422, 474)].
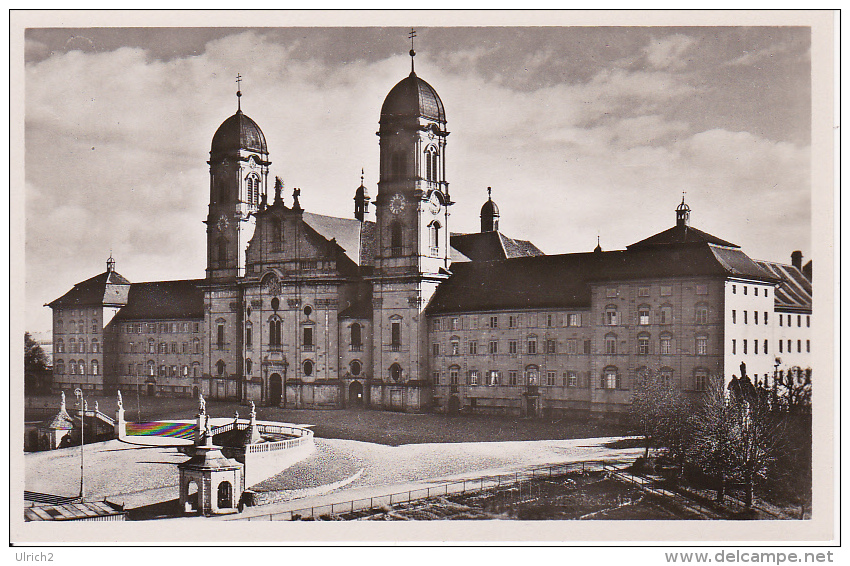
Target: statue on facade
[(253, 411), (278, 187), (62, 401), (120, 401), (202, 405)]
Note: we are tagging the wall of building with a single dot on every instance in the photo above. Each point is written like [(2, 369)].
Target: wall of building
[(750, 326)]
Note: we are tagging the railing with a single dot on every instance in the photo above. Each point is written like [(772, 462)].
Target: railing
[(460, 487)]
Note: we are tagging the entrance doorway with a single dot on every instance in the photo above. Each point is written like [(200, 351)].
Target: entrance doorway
[(454, 405), (355, 394), (274, 390), (225, 495), (151, 390)]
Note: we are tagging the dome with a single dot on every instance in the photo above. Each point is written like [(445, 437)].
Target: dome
[(489, 209), (238, 132), (412, 98)]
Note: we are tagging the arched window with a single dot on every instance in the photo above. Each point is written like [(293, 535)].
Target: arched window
[(82, 327), (307, 367), (610, 378), (151, 346), (196, 345), (396, 241), (701, 313), (196, 370), (643, 315), (72, 367), (95, 367), (532, 373), (455, 345), (72, 345), (434, 237), (82, 369), (610, 343), (249, 365), (95, 346), (220, 367), (702, 345), (163, 348), (60, 367), (643, 343), (252, 192), (274, 331), (454, 372), (185, 371), (151, 368), (356, 337), (395, 372), (249, 336), (431, 160), (700, 379), (59, 328), (60, 346), (81, 346), (356, 367)]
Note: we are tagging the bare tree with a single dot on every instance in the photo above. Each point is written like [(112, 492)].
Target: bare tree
[(794, 390)]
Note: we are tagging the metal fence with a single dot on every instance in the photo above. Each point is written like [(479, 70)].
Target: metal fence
[(459, 487)]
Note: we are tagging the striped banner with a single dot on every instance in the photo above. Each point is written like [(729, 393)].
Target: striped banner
[(162, 428)]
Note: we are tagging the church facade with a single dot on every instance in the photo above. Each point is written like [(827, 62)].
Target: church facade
[(299, 309)]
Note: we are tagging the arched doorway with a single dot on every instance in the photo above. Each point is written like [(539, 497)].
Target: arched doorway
[(355, 394), (225, 495), (454, 405), (151, 388), (275, 390), (192, 497), (195, 392)]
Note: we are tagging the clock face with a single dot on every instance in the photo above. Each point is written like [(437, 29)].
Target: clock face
[(434, 204), (396, 204), (222, 223)]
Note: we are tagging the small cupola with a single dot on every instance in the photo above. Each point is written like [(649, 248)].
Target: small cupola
[(489, 214), (361, 200), (683, 214)]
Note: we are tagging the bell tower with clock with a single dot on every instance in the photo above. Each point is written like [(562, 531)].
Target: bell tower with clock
[(239, 168), (412, 214)]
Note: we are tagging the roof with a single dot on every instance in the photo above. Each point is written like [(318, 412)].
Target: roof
[(209, 458), (91, 510), (564, 281), (490, 246), (61, 421), (682, 234), (794, 291), (164, 300), (411, 98), (107, 289), (238, 132), (352, 235)]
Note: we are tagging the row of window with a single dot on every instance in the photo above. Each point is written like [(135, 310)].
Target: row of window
[(76, 367), (799, 320), (507, 321), (755, 317), (755, 350), (77, 347), (154, 347), (745, 289), (163, 327), (571, 346), (663, 290), (76, 327), (608, 379)]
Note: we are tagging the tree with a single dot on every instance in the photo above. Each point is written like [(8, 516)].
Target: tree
[(35, 362), (794, 390)]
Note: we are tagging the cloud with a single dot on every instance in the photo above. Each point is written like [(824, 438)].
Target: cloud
[(756, 56), (667, 53)]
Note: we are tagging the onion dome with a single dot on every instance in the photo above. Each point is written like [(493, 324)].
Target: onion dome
[(413, 98), (489, 214), (238, 132)]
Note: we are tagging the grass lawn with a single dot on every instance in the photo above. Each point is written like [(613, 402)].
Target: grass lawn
[(381, 427)]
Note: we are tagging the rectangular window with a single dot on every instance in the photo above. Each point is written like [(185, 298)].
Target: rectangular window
[(745, 289), (666, 345), (780, 320), (549, 320), (395, 336), (666, 290), (512, 321), (453, 376), (572, 346), (572, 379), (436, 324), (610, 379), (789, 320), (780, 346), (436, 349), (765, 346), (174, 347), (220, 336), (473, 377), (494, 378), (532, 346), (734, 289), (808, 321), (702, 315), (574, 320), (610, 317), (129, 369), (799, 346), (808, 346), (196, 327), (643, 291), (455, 347), (455, 323), (666, 315), (734, 316), (611, 292), (799, 321), (610, 345), (474, 320), (473, 347), (745, 317), (765, 317), (551, 346), (494, 322), (700, 381), (512, 347), (587, 344), (702, 345), (512, 378), (643, 316), (551, 376), (702, 289), (755, 317), (494, 347), (755, 346), (734, 346), (789, 346), (307, 333), (435, 377), (643, 345), (249, 337)]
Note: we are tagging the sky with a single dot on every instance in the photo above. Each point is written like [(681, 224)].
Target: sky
[(580, 131)]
